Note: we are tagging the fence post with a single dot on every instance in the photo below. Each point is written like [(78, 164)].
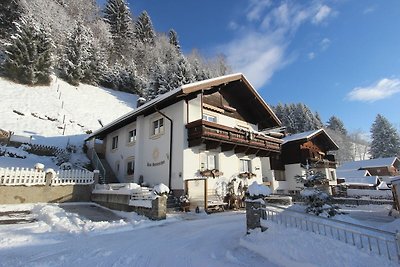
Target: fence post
[(50, 175), (254, 211)]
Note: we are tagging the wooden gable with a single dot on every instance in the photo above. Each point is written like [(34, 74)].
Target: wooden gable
[(236, 101)]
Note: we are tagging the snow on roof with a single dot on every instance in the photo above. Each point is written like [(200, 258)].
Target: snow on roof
[(351, 173), (370, 163), (383, 186), (186, 89), (366, 180), (306, 136)]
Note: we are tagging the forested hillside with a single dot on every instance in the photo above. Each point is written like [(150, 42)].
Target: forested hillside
[(82, 42)]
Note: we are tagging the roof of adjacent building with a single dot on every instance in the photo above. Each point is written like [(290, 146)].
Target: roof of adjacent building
[(370, 163), (351, 173), (366, 180), (182, 91), (306, 136)]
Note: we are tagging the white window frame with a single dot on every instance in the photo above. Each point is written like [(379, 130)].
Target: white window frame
[(157, 127), (114, 142), (132, 139), (241, 166), (208, 161)]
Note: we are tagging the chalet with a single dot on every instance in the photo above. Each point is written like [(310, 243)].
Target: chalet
[(378, 167), (298, 150), (196, 139)]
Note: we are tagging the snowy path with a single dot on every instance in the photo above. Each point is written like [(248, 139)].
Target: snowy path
[(205, 241)]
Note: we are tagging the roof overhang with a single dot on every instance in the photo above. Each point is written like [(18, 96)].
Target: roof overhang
[(179, 94)]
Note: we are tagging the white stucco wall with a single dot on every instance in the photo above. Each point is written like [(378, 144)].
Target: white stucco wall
[(151, 153)]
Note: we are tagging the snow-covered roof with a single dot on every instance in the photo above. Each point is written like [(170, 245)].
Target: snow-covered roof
[(351, 173), (182, 91), (305, 136), (370, 163), (366, 180), (383, 186)]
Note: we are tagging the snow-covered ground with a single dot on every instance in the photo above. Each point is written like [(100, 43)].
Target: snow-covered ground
[(60, 238), (44, 108), (47, 109)]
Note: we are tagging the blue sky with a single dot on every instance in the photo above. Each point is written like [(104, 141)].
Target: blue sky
[(339, 57)]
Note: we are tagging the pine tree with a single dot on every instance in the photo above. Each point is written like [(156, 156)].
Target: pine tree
[(118, 16), (144, 31), (385, 139), (10, 12), (29, 54), (335, 124), (315, 192), (79, 60), (173, 39)]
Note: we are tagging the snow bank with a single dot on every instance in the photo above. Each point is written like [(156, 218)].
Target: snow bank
[(291, 247)]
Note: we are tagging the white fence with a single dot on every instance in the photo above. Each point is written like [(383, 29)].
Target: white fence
[(383, 243), (30, 177), (22, 176)]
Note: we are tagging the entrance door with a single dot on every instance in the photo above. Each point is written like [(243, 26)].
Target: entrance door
[(196, 192)]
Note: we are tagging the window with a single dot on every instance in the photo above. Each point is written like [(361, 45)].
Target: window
[(117, 167), (210, 118), (130, 167), (245, 165), (333, 176), (158, 126), (114, 144), (279, 175), (132, 136), (280, 191), (208, 161)]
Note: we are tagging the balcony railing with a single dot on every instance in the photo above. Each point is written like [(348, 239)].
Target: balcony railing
[(201, 131)]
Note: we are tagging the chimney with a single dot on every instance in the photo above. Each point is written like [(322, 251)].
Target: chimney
[(140, 101)]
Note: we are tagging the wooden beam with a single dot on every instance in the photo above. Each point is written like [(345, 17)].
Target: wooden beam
[(212, 144), (195, 142), (241, 149), (227, 147)]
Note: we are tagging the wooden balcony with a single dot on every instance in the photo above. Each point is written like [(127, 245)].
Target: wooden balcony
[(327, 162), (227, 138)]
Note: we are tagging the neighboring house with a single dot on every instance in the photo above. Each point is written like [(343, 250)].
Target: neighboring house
[(386, 169), (379, 167), (361, 182), (298, 150), (195, 139), (342, 174)]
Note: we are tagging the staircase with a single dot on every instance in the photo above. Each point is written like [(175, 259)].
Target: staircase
[(99, 162), (110, 176)]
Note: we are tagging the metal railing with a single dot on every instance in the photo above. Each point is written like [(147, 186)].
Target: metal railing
[(94, 158), (383, 243)]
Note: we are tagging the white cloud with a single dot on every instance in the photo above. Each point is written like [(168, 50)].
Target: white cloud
[(380, 90), (311, 55), (256, 8), (325, 43), (322, 13), (260, 47)]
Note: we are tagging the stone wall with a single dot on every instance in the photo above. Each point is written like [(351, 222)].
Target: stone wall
[(44, 194), (158, 211)]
